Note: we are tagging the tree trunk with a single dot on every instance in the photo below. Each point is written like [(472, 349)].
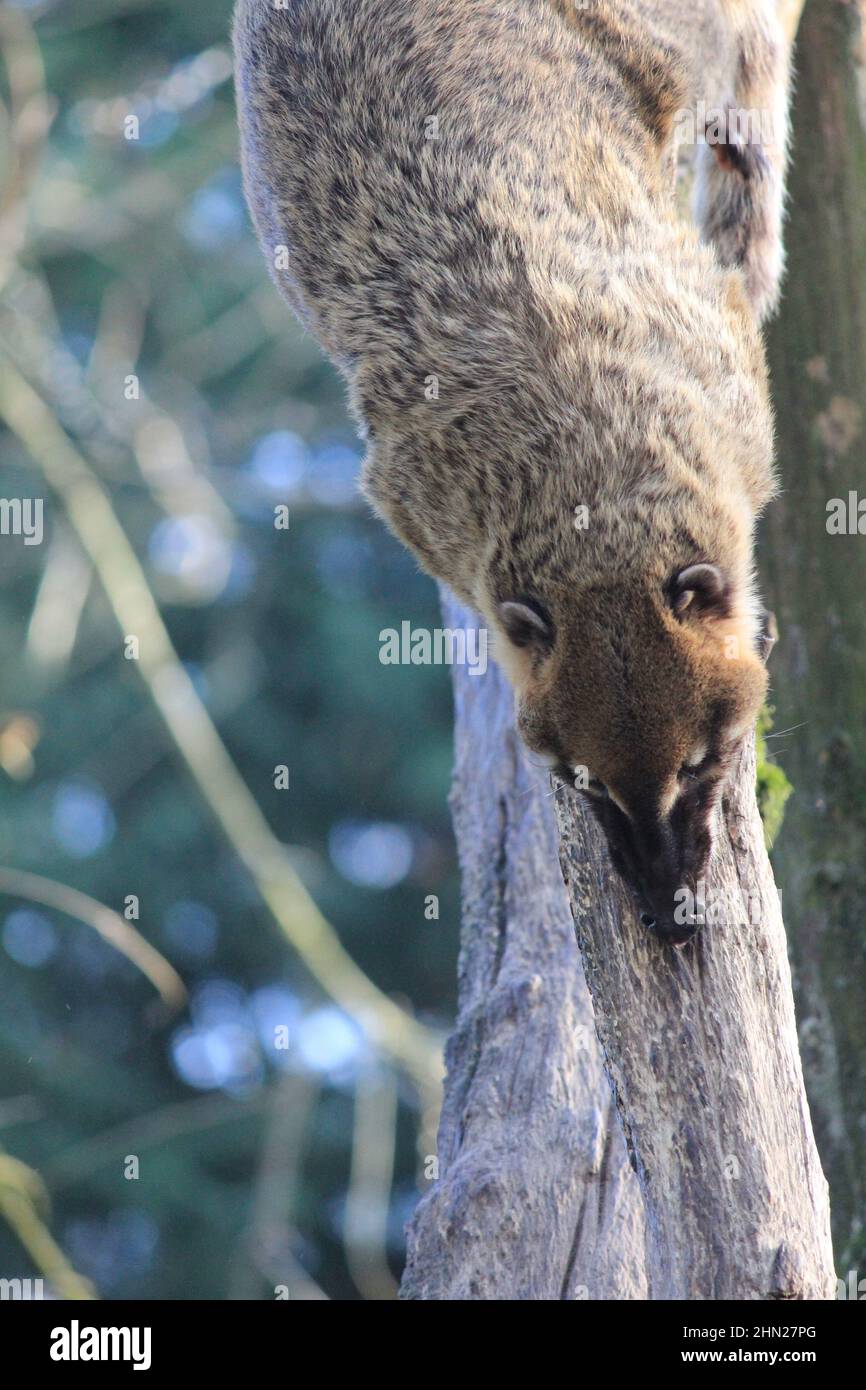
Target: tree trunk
[(816, 582), (535, 1199), (701, 1048)]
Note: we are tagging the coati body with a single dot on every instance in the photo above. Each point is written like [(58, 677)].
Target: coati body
[(470, 203)]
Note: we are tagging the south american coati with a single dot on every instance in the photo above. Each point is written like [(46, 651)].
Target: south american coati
[(561, 380)]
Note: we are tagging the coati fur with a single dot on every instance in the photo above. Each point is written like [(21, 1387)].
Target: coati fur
[(561, 380)]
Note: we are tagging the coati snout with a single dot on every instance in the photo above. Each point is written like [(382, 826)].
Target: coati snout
[(638, 693)]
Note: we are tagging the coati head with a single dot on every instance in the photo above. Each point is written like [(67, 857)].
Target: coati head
[(638, 691)]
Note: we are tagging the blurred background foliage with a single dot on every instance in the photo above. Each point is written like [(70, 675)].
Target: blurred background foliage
[(258, 1165)]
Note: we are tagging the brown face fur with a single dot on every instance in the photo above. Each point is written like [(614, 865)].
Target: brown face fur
[(645, 716)]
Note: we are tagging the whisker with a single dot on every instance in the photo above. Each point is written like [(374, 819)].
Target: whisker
[(779, 733)]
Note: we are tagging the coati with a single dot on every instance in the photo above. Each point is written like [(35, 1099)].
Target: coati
[(471, 204)]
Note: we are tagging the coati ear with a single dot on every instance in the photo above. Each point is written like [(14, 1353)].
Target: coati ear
[(701, 589), (526, 624)]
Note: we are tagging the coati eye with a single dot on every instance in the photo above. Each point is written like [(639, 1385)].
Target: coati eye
[(527, 624), (702, 589)]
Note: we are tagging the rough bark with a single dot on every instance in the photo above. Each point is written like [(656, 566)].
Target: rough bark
[(816, 583), (701, 1048), (535, 1198)]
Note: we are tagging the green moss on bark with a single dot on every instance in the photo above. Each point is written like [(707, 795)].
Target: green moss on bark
[(771, 784)]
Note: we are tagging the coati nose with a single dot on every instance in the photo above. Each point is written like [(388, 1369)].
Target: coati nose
[(674, 933), (668, 930), (679, 935)]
